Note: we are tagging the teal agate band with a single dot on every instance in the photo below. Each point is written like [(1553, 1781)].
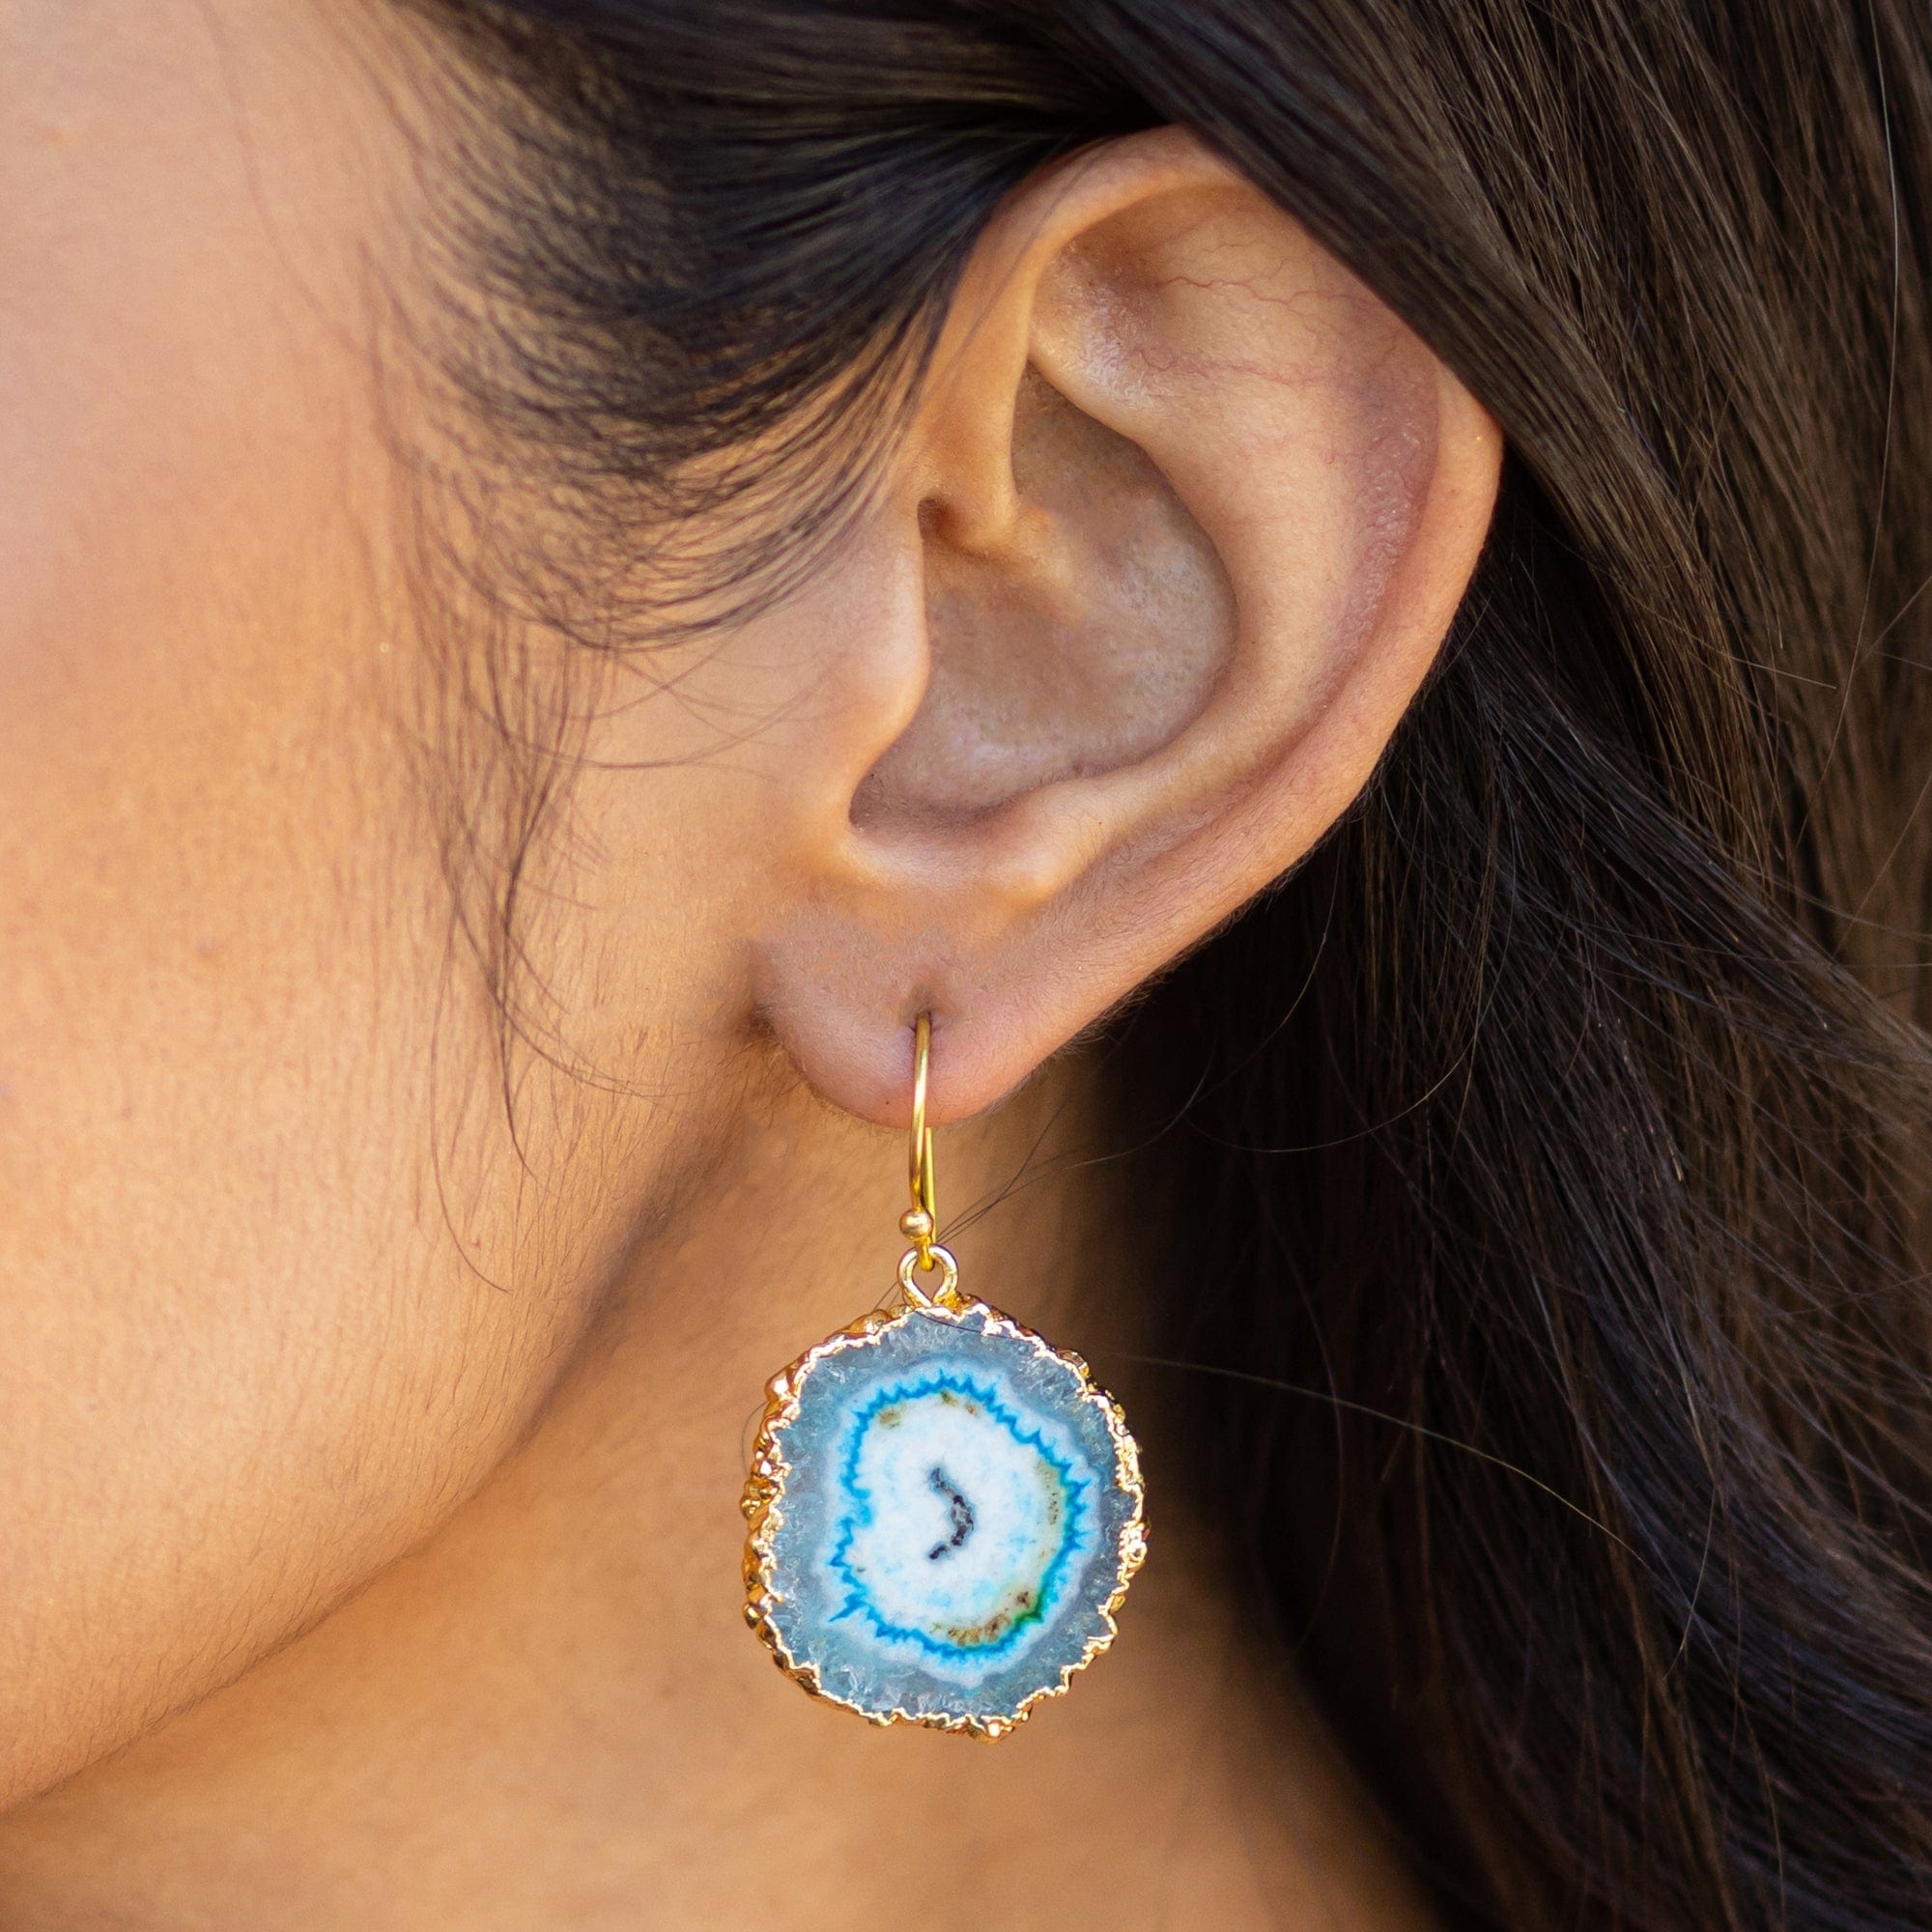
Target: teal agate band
[(956, 1513)]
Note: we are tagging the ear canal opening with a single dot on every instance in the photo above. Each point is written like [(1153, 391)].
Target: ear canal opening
[(1081, 639)]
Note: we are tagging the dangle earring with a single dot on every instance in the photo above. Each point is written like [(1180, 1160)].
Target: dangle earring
[(945, 1510)]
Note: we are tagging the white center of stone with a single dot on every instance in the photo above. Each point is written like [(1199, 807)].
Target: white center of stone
[(965, 1520)]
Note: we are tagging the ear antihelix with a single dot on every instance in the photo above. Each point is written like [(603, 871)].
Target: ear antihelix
[(945, 1510)]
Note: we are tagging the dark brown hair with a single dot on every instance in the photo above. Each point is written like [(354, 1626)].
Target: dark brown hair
[(1546, 1157)]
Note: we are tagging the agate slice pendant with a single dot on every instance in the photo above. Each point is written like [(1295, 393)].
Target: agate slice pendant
[(945, 1510)]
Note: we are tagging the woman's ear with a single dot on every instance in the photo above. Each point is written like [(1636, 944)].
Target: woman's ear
[(1182, 521)]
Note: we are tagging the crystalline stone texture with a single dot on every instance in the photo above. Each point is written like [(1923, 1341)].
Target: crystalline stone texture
[(951, 1534)]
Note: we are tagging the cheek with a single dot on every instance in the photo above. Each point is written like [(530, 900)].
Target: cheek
[(263, 1317), (243, 1156), (276, 1289)]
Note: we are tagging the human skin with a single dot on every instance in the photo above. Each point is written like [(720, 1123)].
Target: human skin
[(373, 1398)]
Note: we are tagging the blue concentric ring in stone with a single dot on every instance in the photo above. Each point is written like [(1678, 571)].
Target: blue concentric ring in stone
[(950, 1539)]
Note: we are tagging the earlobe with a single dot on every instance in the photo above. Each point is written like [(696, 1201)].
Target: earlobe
[(1192, 512)]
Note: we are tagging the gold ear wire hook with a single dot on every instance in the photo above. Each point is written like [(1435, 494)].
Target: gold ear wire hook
[(919, 1223)]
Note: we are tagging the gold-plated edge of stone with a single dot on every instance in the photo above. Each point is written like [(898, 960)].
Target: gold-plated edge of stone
[(764, 1506)]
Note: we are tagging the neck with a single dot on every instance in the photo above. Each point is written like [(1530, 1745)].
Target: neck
[(552, 1714)]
